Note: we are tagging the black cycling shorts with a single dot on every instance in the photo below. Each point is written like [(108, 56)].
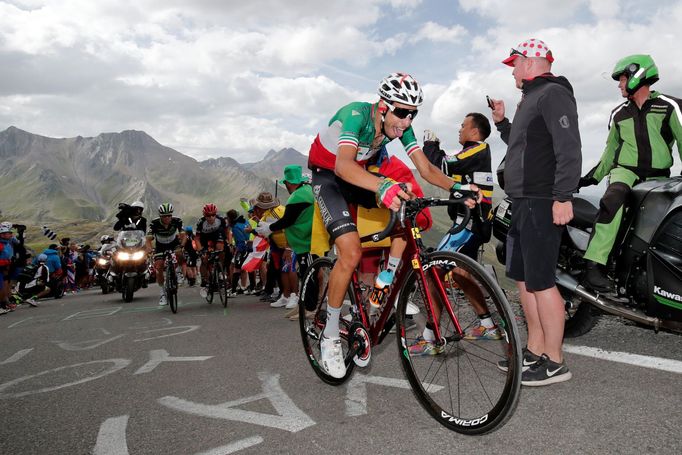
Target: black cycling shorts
[(533, 244), (333, 196)]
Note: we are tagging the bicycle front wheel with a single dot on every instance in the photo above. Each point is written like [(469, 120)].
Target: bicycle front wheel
[(312, 317), (212, 282), (172, 289), (458, 380), (221, 284)]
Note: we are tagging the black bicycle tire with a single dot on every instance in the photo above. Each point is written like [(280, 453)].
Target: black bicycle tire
[(308, 349), (210, 285), (222, 285), (503, 410), (171, 288)]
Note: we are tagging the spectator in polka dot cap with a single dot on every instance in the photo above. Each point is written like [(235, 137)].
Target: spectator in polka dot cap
[(542, 169)]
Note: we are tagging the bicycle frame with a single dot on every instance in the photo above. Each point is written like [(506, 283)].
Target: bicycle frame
[(413, 255)]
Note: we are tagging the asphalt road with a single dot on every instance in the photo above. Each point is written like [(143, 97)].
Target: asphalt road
[(91, 374)]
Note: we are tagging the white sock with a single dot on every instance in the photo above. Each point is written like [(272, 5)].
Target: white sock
[(392, 264), (429, 334), (486, 321), (331, 329)]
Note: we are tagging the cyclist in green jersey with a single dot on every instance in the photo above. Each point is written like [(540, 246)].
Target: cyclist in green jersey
[(338, 159), (642, 132)]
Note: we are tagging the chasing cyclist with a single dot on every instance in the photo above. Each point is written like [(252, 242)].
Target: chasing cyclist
[(211, 233), (167, 231), (338, 159)]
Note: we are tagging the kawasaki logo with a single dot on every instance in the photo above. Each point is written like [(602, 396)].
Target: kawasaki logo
[(464, 422), (667, 294)]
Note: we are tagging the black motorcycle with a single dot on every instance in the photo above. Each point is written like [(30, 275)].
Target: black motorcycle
[(645, 264), (129, 266), (102, 266)]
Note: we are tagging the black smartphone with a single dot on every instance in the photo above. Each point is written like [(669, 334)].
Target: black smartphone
[(490, 102)]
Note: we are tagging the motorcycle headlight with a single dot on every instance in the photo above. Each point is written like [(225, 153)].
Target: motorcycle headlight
[(102, 261), (123, 256), (138, 255)]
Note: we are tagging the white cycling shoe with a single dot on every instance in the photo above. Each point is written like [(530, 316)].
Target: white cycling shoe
[(331, 355)]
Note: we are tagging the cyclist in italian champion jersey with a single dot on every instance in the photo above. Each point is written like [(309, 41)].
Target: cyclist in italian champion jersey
[(211, 233), (167, 234), (338, 159)]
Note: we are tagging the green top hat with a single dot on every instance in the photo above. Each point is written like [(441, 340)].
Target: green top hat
[(293, 174)]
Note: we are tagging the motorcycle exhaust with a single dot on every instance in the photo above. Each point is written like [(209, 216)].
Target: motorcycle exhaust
[(569, 283)]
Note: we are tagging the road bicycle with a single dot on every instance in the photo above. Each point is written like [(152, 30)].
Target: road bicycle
[(217, 281), (460, 386), (170, 280)]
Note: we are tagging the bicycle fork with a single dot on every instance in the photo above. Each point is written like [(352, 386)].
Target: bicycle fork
[(442, 294)]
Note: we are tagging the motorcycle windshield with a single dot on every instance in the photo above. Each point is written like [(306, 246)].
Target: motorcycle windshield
[(130, 239)]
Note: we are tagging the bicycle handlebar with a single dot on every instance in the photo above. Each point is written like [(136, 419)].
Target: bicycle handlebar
[(413, 207)]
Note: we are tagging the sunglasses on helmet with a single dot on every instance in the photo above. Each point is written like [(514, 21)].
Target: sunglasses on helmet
[(515, 52), (401, 112)]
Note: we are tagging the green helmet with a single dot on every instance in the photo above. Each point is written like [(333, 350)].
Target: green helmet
[(639, 69), (166, 209)]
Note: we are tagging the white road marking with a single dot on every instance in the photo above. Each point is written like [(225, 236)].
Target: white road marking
[(234, 446), (36, 318), (18, 355), (87, 344), (657, 363), (111, 439), (290, 417), (117, 365), (356, 391), (89, 314), (189, 328), (158, 356)]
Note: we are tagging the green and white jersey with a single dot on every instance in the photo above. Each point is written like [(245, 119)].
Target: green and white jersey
[(353, 125)]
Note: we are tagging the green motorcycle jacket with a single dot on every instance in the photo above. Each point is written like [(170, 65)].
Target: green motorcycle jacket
[(642, 140)]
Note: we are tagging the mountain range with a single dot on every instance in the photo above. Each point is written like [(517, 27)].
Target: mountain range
[(44, 180)]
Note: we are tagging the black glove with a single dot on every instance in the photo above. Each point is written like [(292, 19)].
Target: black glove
[(586, 181)]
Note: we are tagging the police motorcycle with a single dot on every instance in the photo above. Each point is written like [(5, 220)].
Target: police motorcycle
[(128, 271), (645, 263)]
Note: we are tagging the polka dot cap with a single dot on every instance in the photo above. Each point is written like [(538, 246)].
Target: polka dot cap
[(529, 48)]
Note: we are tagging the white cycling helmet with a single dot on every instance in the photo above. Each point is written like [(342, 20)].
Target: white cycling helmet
[(5, 226), (401, 88), (137, 204)]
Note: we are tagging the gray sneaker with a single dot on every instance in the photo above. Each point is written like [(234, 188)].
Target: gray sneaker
[(545, 372), (529, 359)]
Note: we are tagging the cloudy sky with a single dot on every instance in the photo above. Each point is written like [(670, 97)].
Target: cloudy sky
[(237, 78)]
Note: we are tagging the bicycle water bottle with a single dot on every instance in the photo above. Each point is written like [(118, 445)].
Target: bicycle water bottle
[(380, 291)]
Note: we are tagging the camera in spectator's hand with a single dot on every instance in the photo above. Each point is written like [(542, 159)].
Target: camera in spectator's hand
[(19, 227)]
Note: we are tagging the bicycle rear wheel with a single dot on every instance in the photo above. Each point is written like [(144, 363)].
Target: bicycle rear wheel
[(172, 288), (312, 318), (458, 381)]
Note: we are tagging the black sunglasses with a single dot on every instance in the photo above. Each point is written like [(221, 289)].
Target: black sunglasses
[(401, 112), (515, 52)]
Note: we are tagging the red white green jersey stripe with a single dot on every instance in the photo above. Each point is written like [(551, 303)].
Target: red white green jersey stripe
[(353, 125)]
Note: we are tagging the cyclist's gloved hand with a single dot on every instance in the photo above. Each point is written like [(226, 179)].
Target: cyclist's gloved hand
[(468, 190), (430, 136), (388, 191), (263, 229)]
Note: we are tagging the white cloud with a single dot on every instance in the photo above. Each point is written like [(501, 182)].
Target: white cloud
[(238, 78), (432, 31)]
